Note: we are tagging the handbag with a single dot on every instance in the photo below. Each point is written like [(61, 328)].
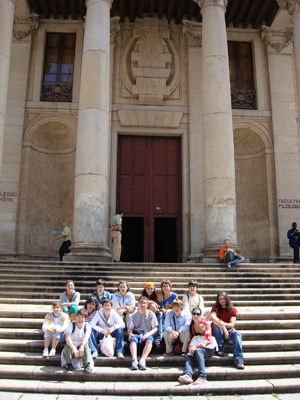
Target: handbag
[(108, 345)]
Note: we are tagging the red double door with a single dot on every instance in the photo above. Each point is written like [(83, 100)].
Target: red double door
[(149, 193)]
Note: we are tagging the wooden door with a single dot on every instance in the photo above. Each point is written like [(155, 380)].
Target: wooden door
[(149, 192)]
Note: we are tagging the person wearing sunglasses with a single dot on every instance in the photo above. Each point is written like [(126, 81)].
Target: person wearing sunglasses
[(201, 347)]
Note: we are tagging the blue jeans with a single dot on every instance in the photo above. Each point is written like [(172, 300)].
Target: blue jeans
[(201, 354), (295, 246), (233, 259), (97, 336), (160, 329), (235, 338)]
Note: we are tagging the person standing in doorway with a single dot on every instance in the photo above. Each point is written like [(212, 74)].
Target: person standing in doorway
[(115, 227), (66, 240), (293, 237)]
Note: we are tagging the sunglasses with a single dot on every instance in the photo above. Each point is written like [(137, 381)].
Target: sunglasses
[(196, 313)]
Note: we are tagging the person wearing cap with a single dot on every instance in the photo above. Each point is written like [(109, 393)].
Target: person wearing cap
[(107, 322), (55, 324), (192, 299), (177, 325), (115, 227), (91, 306), (100, 292)]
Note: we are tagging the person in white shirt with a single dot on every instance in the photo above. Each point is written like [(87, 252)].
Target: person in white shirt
[(107, 322), (192, 299), (77, 336)]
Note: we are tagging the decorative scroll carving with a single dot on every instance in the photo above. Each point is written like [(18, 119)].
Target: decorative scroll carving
[(201, 3), (56, 91), (25, 25), (114, 27), (279, 39), (243, 99), (193, 30), (290, 5), (150, 62)]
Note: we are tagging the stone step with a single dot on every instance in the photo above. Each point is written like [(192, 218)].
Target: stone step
[(35, 358), (26, 345), (141, 388), (160, 373)]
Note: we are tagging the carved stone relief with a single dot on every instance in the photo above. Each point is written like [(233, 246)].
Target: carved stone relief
[(25, 25), (149, 63), (278, 39), (193, 31)]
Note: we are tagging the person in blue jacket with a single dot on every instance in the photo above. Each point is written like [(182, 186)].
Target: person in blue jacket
[(292, 235)]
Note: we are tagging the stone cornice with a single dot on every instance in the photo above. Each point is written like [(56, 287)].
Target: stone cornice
[(292, 6), (193, 30), (202, 3), (25, 25), (278, 39), (88, 2)]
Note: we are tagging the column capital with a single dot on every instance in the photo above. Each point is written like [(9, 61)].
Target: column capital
[(292, 6), (89, 2), (204, 3), (278, 39), (193, 31), (25, 25)]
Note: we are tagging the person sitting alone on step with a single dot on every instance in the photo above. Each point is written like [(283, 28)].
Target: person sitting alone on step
[(77, 345), (142, 328), (229, 256), (54, 325), (223, 316)]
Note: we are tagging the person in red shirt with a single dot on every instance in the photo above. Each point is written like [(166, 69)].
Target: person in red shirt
[(229, 256), (223, 316)]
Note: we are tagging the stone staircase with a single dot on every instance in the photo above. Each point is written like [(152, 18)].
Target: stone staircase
[(267, 297)]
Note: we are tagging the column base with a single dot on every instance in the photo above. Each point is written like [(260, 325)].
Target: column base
[(88, 252), (213, 250)]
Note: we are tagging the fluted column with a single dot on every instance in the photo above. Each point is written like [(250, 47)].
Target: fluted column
[(91, 170), (7, 8), (218, 147), (293, 8)]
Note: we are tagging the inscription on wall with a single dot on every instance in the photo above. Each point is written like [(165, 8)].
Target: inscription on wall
[(8, 196), (289, 203)]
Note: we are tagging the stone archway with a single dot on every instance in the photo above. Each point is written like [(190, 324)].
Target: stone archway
[(47, 189), (252, 192)]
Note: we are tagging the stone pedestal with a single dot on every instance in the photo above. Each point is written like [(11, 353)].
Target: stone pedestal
[(92, 152), (6, 26), (218, 147)]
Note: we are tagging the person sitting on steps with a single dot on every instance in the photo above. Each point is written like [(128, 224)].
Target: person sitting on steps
[(223, 316), (229, 256)]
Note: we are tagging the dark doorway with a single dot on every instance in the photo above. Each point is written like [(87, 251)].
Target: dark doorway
[(132, 239), (149, 192), (165, 240)]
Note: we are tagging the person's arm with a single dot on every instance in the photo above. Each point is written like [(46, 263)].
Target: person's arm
[(130, 306), (130, 334), (168, 323), (150, 333), (48, 324), (70, 343), (222, 255), (84, 340), (64, 323), (185, 303), (231, 323), (186, 323), (117, 320), (94, 323)]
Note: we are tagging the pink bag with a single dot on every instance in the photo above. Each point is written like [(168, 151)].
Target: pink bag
[(108, 345)]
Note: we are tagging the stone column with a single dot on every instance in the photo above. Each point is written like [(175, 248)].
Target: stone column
[(91, 170), (7, 8), (218, 147), (293, 8)]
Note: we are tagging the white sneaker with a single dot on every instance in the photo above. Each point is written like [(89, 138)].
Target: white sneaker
[(52, 353), (45, 353)]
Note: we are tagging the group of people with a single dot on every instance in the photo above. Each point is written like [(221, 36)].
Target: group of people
[(182, 326)]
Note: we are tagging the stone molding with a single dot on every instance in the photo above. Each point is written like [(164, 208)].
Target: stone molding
[(25, 25), (89, 2), (193, 31), (150, 119), (292, 6), (114, 27), (202, 3), (278, 39)]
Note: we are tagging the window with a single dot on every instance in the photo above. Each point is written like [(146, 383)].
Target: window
[(241, 75), (59, 67)]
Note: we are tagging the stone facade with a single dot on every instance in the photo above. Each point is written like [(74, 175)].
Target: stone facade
[(240, 168)]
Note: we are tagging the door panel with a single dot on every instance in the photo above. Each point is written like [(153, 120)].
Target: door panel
[(149, 186)]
